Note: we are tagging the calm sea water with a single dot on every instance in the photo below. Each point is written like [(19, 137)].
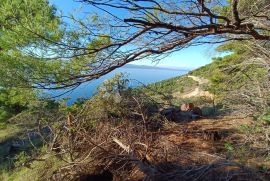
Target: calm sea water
[(143, 75)]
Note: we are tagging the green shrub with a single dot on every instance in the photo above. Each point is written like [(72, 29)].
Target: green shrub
[(265, 117)]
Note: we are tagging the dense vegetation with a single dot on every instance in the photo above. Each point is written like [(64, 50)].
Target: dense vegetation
[(116, 106), (238, 79), (122, 132)]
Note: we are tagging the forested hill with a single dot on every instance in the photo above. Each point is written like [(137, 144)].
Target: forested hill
[(238, 81)]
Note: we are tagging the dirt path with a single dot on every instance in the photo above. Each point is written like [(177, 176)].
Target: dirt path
[(200, 142), (197, 92), (204, 136), (200, 80), (194, 92)]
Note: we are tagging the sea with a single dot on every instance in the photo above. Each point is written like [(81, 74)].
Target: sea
[(137, 74)]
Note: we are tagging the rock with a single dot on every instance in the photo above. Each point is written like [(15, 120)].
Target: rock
[(188, 112), (197, 111), (187, 106), (104, 176), (169, 113)]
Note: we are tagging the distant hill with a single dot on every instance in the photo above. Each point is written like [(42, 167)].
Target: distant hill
[(155, 67)]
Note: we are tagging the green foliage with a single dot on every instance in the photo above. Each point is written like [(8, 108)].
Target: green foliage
[(112, 94), (251, 129), (229, 147), (235, 82), (24, 26), (110, 102), (235, 47), (74, 108), (114, 85), (23, 22), (40, 170), (27, 29), (30, 35), (170, 86), (21, 158), (13, 101), (265, 117), (256, 142)]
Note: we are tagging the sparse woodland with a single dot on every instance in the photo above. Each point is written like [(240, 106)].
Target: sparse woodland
[(124, 133)]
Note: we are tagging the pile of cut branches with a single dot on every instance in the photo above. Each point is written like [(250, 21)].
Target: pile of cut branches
[(131, 152)]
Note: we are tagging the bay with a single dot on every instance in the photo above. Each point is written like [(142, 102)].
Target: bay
[(138, 75)]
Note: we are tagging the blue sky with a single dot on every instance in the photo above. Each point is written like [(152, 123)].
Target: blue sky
[(191, 57)]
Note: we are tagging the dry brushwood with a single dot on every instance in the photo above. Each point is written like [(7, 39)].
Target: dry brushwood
[(127, 149), (130, 150)]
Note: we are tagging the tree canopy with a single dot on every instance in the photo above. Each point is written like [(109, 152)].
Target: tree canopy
[(56, 51)]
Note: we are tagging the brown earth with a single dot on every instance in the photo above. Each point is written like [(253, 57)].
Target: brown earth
[(191, 150), (201, 142), (197, 92)]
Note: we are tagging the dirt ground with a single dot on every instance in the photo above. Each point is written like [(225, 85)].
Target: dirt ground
[(202, 137), (200, 142)]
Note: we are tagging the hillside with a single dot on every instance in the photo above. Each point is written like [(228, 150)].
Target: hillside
[(212, 124), (183, 89), (216, 146)]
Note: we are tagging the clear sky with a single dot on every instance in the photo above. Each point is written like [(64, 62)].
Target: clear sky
[(191, 57)]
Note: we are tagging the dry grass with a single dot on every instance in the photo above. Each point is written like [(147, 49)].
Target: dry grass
[(132, 151)]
